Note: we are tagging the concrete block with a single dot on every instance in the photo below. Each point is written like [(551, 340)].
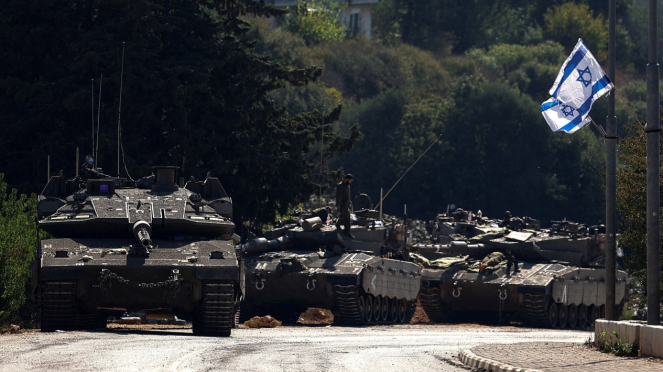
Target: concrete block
[(651, 340), (625, 330)]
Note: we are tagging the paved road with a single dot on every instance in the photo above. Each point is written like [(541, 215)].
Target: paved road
[(418, 348)]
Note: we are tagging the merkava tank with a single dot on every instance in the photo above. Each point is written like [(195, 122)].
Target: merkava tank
[(118, 246), (311, 264), (551, 277)]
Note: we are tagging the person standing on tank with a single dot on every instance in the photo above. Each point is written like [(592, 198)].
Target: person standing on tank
[(343, 204)]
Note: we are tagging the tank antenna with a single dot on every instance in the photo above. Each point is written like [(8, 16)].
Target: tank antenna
[(120, 147), (48, 168), (92, 95), (77, 160), (96, 151), (322, 146), (415, 162), (119, 113)]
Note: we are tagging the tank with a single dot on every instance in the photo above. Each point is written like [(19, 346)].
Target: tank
[(310, 264), (156, 245), (550, 277)]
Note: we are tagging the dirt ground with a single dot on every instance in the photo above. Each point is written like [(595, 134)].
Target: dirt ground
[(316, 316)]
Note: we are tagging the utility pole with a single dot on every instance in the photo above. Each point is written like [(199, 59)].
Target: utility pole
[(653, 130)]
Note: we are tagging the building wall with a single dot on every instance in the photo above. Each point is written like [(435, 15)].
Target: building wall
[(357, 14)]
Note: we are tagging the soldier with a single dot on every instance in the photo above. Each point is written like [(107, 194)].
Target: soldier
[(510, 260), (343, 204)]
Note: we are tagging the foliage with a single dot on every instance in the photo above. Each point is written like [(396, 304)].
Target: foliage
[(636, 22), (620, 347), (195, 94), (362, 69), (18, 240), (632, 201), (568, 22), (317, 21), (528, 69)]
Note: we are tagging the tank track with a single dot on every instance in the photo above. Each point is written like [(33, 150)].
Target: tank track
[(58, 306), (537, 310), (216, 315), (346, 300), (431, 301)]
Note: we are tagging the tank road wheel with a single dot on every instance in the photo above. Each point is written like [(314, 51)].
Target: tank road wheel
[(553, 315), (563, 315), (58, 306), (368, 311), (385, 309), (377, 308), (361, 303), (215, 316), (573, 316), (402, 310), (393, 310)]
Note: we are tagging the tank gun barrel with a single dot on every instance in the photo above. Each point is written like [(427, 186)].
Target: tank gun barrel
[(477, 249), (455, 247), (143, 231), (261, 245)]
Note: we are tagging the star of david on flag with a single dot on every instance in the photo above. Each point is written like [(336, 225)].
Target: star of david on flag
[(580, 82), (562, 117)]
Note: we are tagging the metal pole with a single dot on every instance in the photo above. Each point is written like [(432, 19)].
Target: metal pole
[(48, 168), (77, 160), (322, 146), (611, 177), (653, 173), (380, 204)]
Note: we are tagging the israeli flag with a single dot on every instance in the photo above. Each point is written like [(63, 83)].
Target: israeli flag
[(581, 80), (579, 83), (562, 117)]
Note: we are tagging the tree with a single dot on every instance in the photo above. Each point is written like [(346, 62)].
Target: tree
[(568, 22), (18, 241), (317, 21), (194, 95), (632, 201)]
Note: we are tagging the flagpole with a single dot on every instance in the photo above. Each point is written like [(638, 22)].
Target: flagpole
[(611, 140), (653, 173)]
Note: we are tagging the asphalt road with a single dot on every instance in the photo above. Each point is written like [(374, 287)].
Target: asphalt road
[(418, 348)]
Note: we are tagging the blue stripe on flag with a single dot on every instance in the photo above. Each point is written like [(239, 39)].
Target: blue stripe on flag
[(546, 106), (602, 83), (568, 70)]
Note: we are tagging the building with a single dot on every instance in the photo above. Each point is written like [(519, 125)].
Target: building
[(357, 13)]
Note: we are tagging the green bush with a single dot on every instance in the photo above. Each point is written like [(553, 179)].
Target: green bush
[(621, 347), (18, 241)]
